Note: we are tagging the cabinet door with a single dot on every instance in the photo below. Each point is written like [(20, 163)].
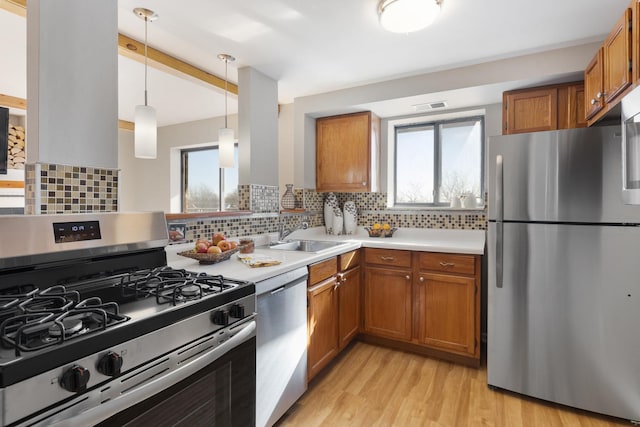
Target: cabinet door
[(343, 153), (593, 86), (348, 306), (322, 324), (530, 111), (617, 58), (576, 107), (387, 302), (446, 312)]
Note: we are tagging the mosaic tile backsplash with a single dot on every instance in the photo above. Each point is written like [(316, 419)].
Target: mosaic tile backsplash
[(371, 209), (64, 189)]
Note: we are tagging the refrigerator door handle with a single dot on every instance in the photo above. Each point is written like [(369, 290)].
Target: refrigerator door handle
[(499, 218), (499, 188)]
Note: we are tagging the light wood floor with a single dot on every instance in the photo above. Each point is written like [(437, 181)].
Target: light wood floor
[(374, 386)]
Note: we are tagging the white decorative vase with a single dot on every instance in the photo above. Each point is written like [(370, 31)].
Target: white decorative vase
[(338, 221), (330, 203), (350, 217)]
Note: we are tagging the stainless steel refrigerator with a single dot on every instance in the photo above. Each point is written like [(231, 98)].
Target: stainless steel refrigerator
[(563, 271)]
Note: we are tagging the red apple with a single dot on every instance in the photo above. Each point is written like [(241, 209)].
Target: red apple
[(205, 241), (201, 247), (217, 237), (224, 245), (232, 244), (214, 250)]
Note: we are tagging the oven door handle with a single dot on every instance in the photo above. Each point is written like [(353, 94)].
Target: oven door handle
[(147, 390)]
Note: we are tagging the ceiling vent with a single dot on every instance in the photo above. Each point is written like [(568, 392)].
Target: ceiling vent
[(430, 106)]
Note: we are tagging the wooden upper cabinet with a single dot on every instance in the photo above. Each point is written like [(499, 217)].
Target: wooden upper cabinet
[(346, 152), (559, 106), (594, 85), (575, 106), (530, 110), (635, 41), (615, 67), (617, 58)]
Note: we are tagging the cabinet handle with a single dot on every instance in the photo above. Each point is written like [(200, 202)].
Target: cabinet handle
[(364, 183), (447, 264), (599, 95), (407, 277), (387, 258), (344, 279), (594, 102), (421, 279)]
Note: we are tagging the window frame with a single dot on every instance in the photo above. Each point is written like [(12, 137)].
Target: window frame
[(183, 176), (437, 155)]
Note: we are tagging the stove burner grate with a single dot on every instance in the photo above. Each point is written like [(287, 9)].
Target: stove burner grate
[(47, 318)]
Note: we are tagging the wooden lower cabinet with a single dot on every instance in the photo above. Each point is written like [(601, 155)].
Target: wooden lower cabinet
[(333, 312), (387, 302), (322, 325), (348, 306), (446, 312), (431, 304)]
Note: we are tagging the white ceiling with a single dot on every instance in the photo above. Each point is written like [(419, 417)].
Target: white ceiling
[(312, 46)]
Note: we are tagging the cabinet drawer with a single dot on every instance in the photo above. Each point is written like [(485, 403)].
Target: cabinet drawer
[(387, 257), (452, 263), (322, 270), (349, 260)]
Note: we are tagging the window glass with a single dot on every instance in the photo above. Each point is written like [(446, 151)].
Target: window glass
[(414, 156), (203, 182), (437, 161), (461, 159), (230, 189)]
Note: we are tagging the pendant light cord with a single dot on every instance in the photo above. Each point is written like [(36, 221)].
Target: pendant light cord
[(146, 19), (226, 67)]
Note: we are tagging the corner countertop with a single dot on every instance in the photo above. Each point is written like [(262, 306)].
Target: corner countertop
[(413, 239)]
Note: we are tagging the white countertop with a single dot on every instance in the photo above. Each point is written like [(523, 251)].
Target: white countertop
[(413, 239)]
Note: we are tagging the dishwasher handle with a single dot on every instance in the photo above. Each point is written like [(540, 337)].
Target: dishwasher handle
[(278, 290), (282, 281)]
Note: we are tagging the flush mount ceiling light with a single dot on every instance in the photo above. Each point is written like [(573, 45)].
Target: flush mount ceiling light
[(406, 16), (226, 140), (145, 128)]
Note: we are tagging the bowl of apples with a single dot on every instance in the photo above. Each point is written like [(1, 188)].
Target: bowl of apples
[(219, 248)]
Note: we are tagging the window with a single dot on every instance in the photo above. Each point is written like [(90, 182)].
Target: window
[(437, 160), (203, 182)]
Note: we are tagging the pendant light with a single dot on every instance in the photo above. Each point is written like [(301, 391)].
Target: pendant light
[(406, 16), (226, 140), (145, 129)]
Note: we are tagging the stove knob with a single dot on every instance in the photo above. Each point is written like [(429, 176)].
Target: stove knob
[(110, 364), (75, 379), (237, 311), (221, 317)]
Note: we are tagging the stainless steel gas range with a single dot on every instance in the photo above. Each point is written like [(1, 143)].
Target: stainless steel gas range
[(95, 329)]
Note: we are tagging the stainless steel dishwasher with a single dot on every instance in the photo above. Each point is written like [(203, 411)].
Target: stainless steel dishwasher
[(281, 354)]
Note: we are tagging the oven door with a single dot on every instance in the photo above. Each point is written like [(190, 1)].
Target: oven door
[(217, 387)]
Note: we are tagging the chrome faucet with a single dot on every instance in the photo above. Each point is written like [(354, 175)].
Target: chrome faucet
[(284, 232)]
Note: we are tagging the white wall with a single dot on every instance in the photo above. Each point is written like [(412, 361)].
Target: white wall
[(72, 75), (258, 127), (285, 146)]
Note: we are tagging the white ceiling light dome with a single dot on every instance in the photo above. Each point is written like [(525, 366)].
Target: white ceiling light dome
[(406, 16)]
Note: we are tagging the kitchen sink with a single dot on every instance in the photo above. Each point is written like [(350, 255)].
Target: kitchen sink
[(304, 245)]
